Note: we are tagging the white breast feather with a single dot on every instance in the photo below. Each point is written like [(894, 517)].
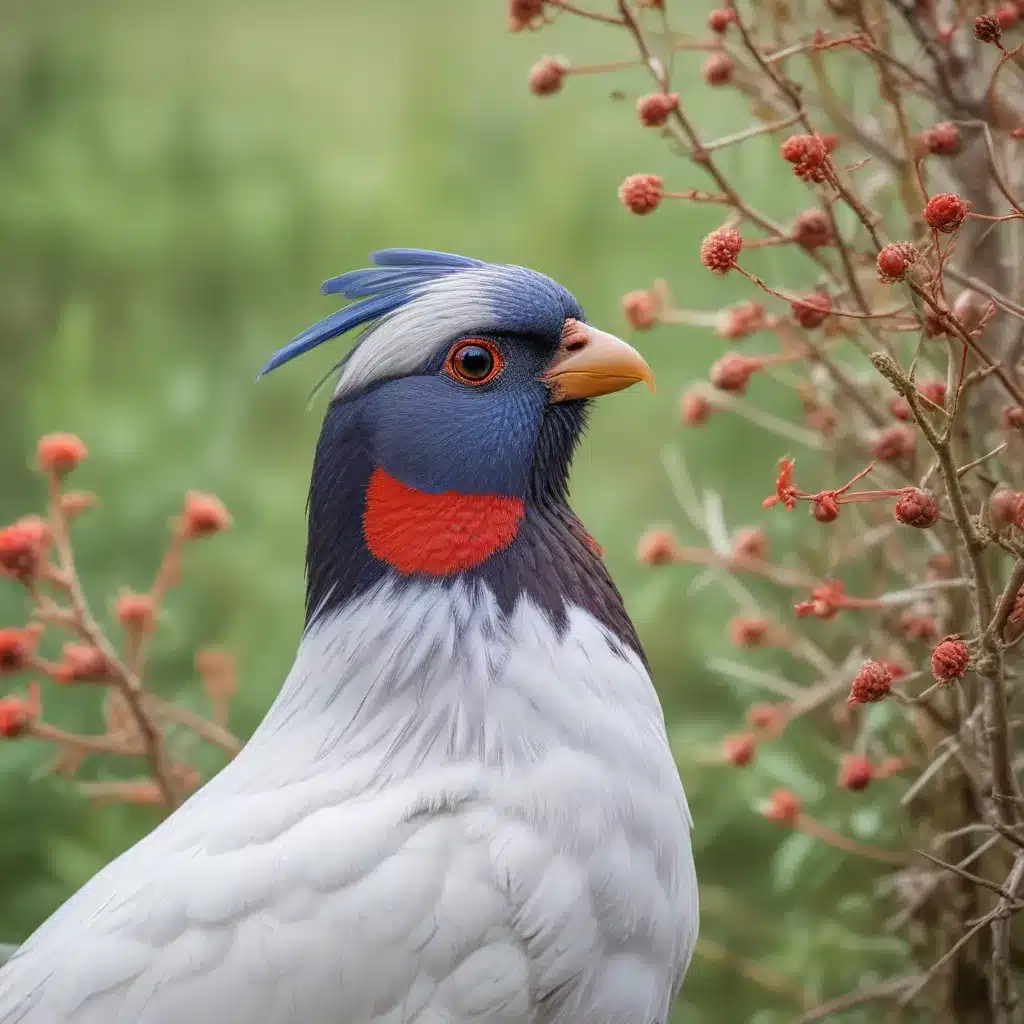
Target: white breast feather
[(447, 816)]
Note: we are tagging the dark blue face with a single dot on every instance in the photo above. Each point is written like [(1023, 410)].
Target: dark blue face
[(470, 421)]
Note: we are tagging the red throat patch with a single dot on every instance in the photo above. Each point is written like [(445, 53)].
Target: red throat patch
[(436, 534)]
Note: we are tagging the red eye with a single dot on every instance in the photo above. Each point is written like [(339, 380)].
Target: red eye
[(474, 361)]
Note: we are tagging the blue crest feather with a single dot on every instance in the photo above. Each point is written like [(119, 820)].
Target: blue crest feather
[(395, 279)]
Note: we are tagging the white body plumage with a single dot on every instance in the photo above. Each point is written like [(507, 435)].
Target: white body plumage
[(450, 815)]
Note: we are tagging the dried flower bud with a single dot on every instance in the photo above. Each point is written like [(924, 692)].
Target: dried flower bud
[(895, 260), (784, 807), (945, 212), (1008, 14), (894, 443), (749, 631), (943, 139), (642, 309), (970, 309), (136, 611), (1006, 507), (719, 249), (739, 750), (917, 508), (916, 626), (82, 663), (641, 193), (740, 321), (950, 660), (825, 508), (720, 19), (23, 547), (524, 14), (812, 229), (1012, 417), (718, 69), (657, 547), (60, 453), (694, 408), (733, 372), (871, 684), (204, 515), (900, 408), (934, 391), (855, 772), (809, 156), (16, 649), (987, 29), (750, 542), (654, 110), (548, 75), (810, 310), (18, 713), (768, 717)]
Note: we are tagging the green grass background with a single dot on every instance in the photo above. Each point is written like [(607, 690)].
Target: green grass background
[(176, 180)]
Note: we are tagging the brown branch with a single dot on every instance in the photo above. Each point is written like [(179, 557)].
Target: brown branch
[(127, 683)]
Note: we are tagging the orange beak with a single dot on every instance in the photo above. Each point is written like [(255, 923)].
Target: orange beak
[(591, 363)]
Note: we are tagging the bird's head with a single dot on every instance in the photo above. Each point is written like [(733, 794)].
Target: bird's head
[(453, 422)]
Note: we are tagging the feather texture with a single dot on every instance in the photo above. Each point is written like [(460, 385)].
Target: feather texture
[(451, 814)]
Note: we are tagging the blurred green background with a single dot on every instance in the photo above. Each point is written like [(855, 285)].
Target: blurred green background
[(176, 180)]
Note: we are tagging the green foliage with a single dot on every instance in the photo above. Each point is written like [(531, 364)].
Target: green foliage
[(177, 180)]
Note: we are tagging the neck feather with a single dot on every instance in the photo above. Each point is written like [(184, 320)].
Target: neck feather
[(538, 547)]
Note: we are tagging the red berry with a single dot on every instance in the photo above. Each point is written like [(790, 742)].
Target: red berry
[(784, 807), (825, 508), (894, 443), (641, 309), (203, 515), (641, 193), (809, 156), (657, 547), (749, 631), (810, 310), (60, 453), (739, 750), (733, 371), (524, 14), (718, 70), (654, 110), (945, 212), (950, 660), (1013, 417), (1006, 507), (719, 249), (855, 772), (16, 649), (917, 508), (23, 547), (548, 75), (812, 229), (871, 684), (719, 20), (750, 542), (769, 717), (740, 321), (943, 139), (895, 260), (694, 408)]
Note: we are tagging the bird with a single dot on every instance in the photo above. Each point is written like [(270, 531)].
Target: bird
[(462, 806)]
